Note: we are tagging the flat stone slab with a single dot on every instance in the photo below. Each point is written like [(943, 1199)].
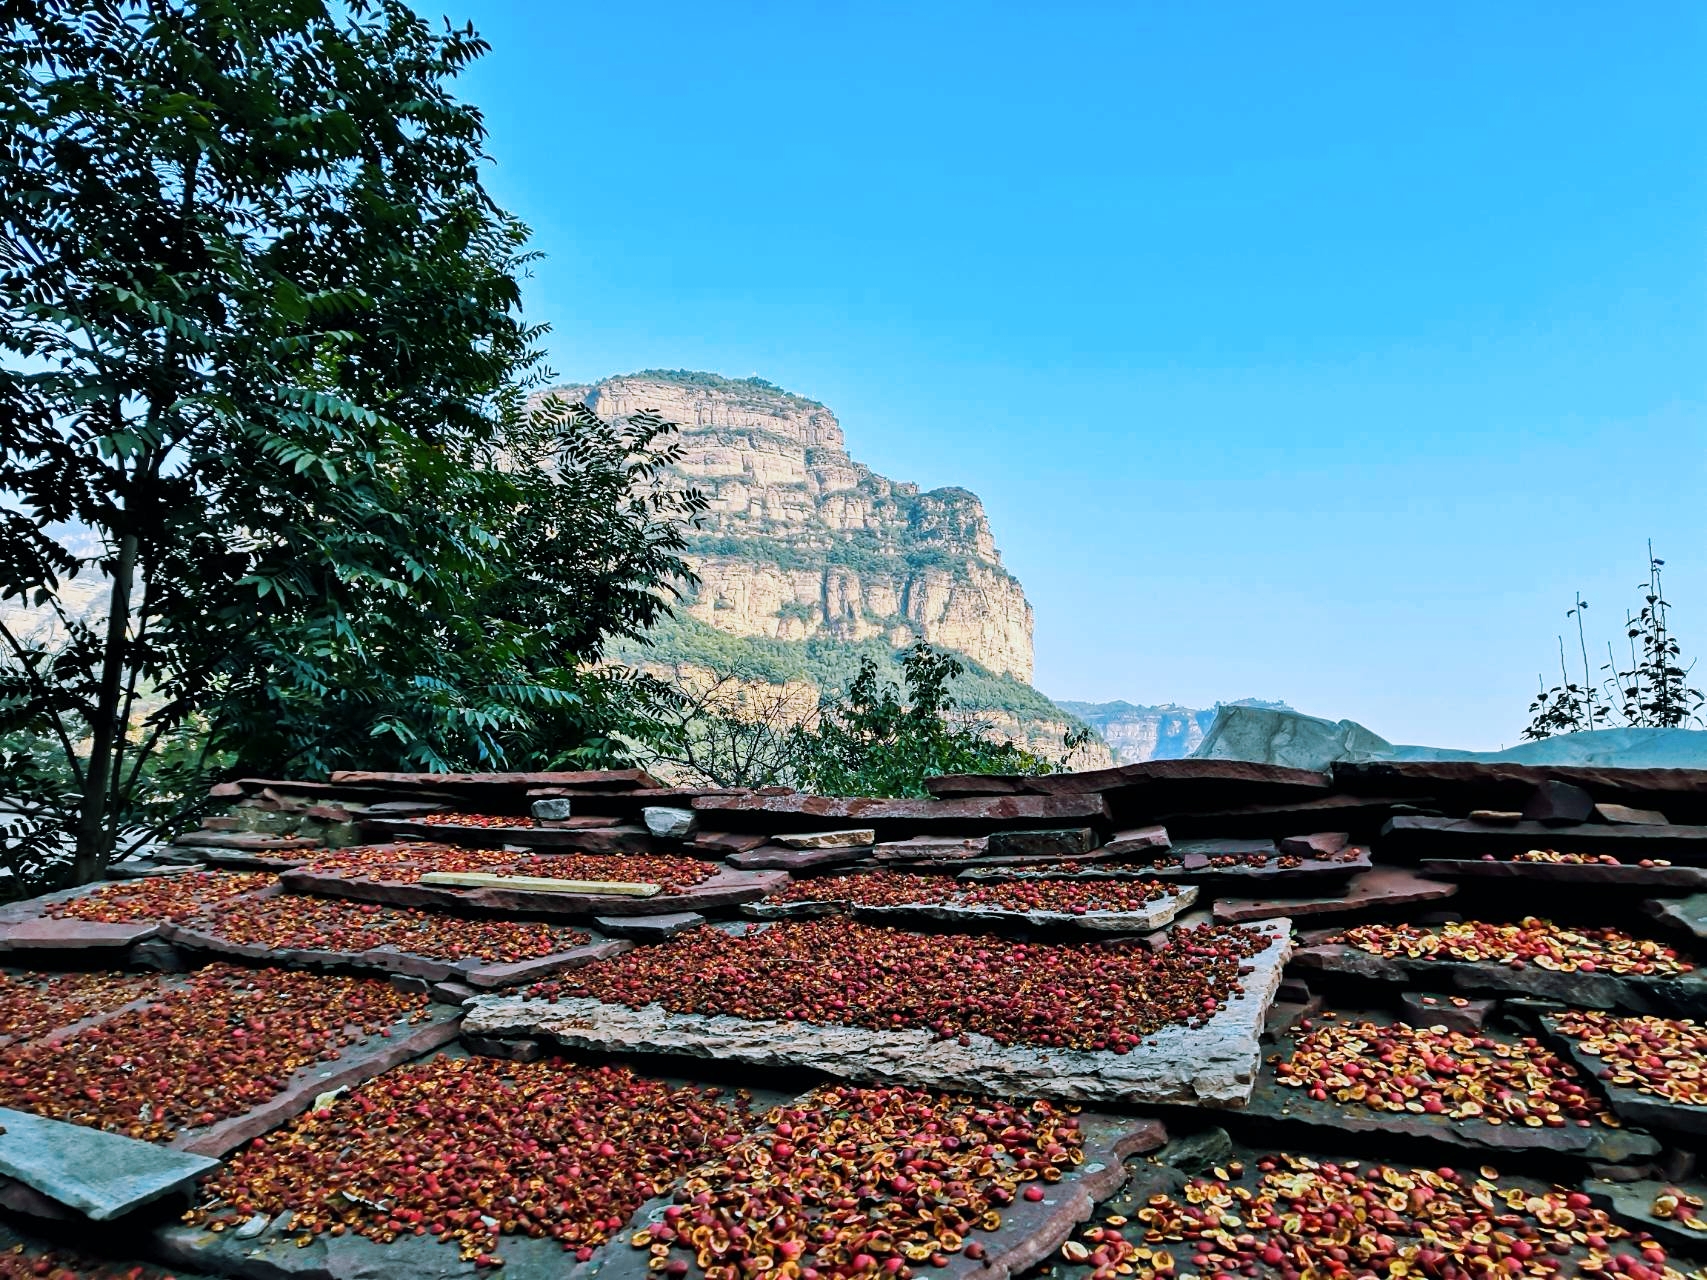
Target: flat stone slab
[(1274, 1101), (1380, 888), (1584, 837), (727, 888), (48, 934), (1684, 996), (101, 1175), (773, 857), (1221, 777), (245, 841), (1064, 842), (355, 1063), (1624, 813), (1627, 1103), (648, 928), (1632, 1203), (1214, 1065), (199, 937), (1425, 1009), (1154, 915), (850, 838), (1320, 844), (1622, 876), (1030, 1232), (1195, 868), (933, 849), (1683, 913), (892, 818)]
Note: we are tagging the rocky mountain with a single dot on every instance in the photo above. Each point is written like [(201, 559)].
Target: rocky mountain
[(807, 556), (1167, 732)]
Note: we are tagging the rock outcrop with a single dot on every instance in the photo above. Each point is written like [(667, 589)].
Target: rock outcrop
[(1138, 733), (802, 542)]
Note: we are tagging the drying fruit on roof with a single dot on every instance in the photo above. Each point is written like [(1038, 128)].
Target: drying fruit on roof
[(159, 897), (1663, 1057), (338, 924), (1538, 942), (853, 1183), (1434, 1071), (472, 1149), (1082, 996), (223, 1041)]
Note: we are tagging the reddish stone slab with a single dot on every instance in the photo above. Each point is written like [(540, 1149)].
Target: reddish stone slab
[(607, 837), (1223, 777), (1363, 816), (48, 934), (1423, 1010), (1438, 835), (1136, 840), (723, 843), (901, 817), (778, 858), (933, 849), (1469, 784), (354, 1064), (602, 779), (1623, 813), (1383, 887), (246, 841), (1558, 804), (1322, 844)]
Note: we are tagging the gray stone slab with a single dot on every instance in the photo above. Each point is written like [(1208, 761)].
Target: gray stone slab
[(1624, 813), (1152, 916), (1623, 876), (1437, 835), (1632, 1203), (1627, 1103), (1063, 842), (1379, 889), (1214, 1065), (1683, 913), (669, 823), (101, 1175), (648, 928)]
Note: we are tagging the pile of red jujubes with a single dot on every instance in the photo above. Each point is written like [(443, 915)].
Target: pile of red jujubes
[(407, 861), (1663, 1057), (1538, 942), (224, 1041), (338, 924), (670, 872), (1305, 1218), (22, 1262), (473, 820), (32, 1005), (160, 897), (1083, 996), (862, 1183), (469, 1149), (1434, 1071), (900, 889)]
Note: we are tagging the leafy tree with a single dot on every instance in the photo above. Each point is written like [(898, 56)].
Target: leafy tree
[(878, 740), (263, 354)]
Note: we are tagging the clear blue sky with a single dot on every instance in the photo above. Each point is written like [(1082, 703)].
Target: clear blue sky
[(1314, 352)]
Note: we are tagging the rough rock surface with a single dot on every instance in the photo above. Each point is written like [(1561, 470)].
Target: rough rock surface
[(669, 823), (1213, 1066), (851, 838), (1382, 887), (1628, 875), (101, 1175), (1625, 814), (895, 818)]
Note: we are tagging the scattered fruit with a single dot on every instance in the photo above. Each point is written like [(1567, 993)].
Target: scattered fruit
[(159, 897), (1663, 1057), (900, 888), (1094, 996), (31, 1005), (1538, 942), (473, 820), (471, 1149)]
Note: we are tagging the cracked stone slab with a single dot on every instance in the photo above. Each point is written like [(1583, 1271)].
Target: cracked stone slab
[(1623, 876), (1030, 1230), (371, 1056), (1272, 1100), (199, 936), (728, 887), (1153, 915), (101, 1175), (1627, 1103), (1214, 1065), (1684, 996)]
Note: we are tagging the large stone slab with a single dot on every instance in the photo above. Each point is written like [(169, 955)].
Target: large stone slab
[(776, 857), (588, 779), (1625, 875), (1363, 816), (1383, 888), (1030, 1232), (847, 838), (1627, 1103), (933, 849), (1684, 996), (1632, 1203), (1437, 836), (1212, 1066), (577, 837), (101, 1175), (246, 842), (902, 817), (1681, 913), (728, 887), (367, 1058), (648, 928), (1063, 842), (1276, 1102), (1625, 814), (1198, 779), (1470, 784), (1310, 875), (1154, 915)]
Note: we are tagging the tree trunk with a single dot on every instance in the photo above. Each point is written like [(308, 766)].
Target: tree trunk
[(95, 833)]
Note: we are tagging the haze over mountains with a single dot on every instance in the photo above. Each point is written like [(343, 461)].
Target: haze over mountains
[(808, 560)]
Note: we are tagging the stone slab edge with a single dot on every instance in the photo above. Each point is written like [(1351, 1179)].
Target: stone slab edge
[(1212, 1066), (1627, 1103), (1693, 878), (1157, 914), (90, 1170), (359, 1062)]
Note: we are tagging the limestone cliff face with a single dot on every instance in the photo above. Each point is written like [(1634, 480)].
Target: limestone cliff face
[(802, 541)]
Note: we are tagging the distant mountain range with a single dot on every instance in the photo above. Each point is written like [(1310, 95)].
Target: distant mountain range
[(1137, 733)]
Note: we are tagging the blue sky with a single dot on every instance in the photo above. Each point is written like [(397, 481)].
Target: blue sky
[(1313, 352)]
